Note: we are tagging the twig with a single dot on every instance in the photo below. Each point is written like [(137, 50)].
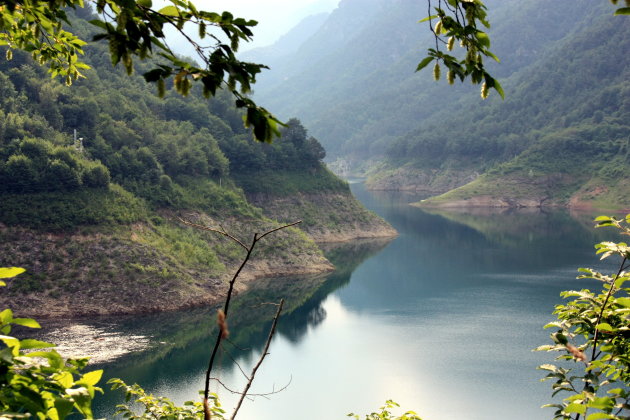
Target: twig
[(209, 229), (235, 362), (262, 358), (601, 312), (279, 228), (235, 346), (248, 395)]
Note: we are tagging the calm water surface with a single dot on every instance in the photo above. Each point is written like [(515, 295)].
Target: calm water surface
[(442, 320)]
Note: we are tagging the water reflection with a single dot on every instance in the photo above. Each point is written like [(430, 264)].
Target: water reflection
[(182, 340)]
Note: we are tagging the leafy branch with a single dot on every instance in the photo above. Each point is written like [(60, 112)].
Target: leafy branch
[(597, 324), (135, 29), (35, 381), (459, 21)]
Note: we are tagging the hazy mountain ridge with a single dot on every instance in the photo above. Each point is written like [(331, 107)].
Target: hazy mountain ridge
[(376, 108), (287, 44)]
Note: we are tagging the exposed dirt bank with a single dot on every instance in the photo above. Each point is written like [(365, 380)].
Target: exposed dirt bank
[(91, 274), (485, 201), (552, 190), (430, 181), (327, 217)]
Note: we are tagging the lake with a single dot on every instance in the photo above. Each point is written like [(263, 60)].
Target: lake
[(441, 319)]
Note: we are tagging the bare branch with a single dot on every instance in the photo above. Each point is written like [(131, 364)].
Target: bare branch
[(249, 395), (209, 229), (279, 228), (225, 311), (262, 358), (220, 334), (235, 362), (601, 312)]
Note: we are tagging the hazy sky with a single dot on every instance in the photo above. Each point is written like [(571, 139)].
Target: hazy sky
[(275, 17)]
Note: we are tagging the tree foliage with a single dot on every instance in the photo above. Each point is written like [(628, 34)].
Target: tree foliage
[(459, 21), (592, 332), (137, 30), (159, 150)]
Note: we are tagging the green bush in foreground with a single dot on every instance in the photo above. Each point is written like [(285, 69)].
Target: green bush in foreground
[(593, 331), (40, 384)]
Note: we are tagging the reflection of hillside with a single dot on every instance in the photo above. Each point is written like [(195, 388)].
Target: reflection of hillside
[(346, 257), (185, 338), (440, 254), (516, 228)]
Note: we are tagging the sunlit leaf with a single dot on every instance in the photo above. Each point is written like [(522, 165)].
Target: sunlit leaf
[(605, 327), (8, 272), (92, 378), (30, 343), (575, 408), (169, 11), (26, 322)]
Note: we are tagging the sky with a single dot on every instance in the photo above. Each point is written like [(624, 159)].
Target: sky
[(275, 17)]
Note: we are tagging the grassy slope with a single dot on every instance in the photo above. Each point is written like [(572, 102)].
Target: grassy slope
[(580, 167), (322, 201), (110, 252)]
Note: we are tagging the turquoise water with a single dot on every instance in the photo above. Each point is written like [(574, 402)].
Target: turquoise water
[(441, 319)]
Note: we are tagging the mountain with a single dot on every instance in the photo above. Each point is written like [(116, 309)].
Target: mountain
[(360, 97), (95, 177), (287, 44)]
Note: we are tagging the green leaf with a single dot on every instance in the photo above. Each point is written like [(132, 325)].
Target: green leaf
[(624, 301), (6, 356), (602, 403), (82, 400), (427, 18), (30, 343), (494, 57), (169, 11), (9, 341), (26, 322), (623, 11), (65, 379), (575, 408), (8, 272), (63, 406), (6, 316), (483, 39), (605, 327), (424, 63), (497, 86), (92, 378), (599, 416)]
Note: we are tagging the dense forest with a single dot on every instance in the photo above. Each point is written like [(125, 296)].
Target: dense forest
[(563, 68)]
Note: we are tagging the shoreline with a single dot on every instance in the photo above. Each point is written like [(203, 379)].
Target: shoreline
[(59, 307)]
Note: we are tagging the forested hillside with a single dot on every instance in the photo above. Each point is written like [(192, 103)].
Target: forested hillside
[(94, 217), (564, 67)]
